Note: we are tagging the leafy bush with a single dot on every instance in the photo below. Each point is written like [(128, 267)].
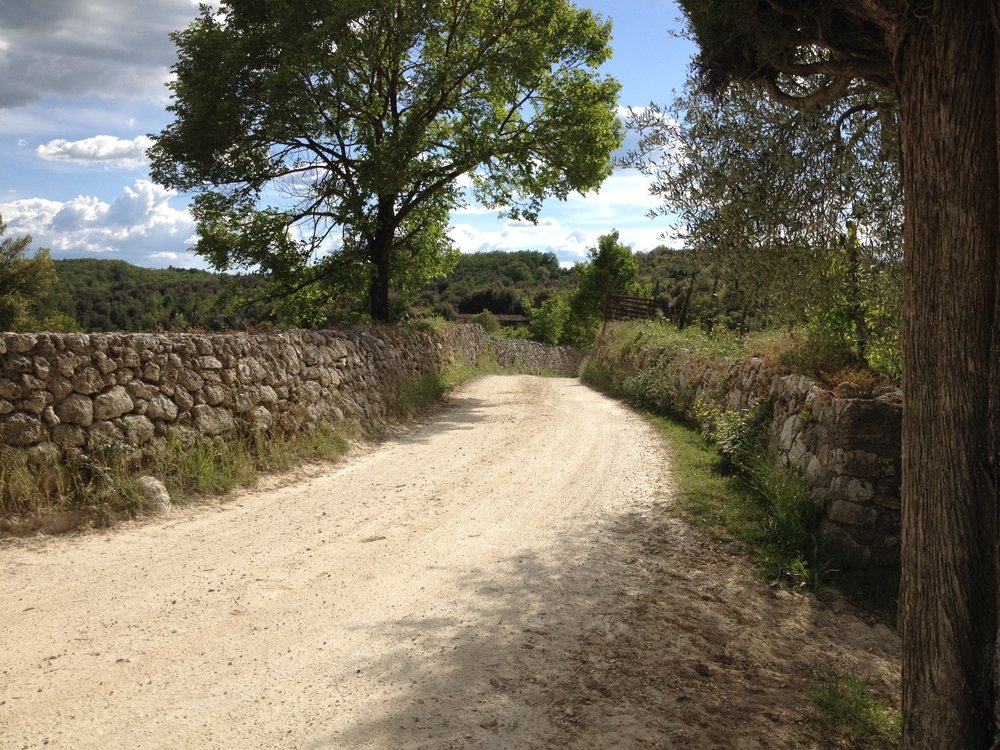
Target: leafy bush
[(548, 321), (487, 321), (739, 436), (779, 522)]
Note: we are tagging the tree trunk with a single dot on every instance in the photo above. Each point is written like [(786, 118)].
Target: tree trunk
[(378, 300), (380, 256), (951, 364)]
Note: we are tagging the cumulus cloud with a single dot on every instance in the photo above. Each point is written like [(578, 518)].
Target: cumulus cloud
[(101, 149), (570, 228), (88, 48), (568, 245), (139, 226)]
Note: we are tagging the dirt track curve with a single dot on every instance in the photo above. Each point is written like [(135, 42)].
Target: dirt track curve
[(507, 575)]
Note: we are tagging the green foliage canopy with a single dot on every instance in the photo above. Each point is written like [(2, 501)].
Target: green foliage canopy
[(612, 268), (324, 141), (112, 295), (765, 197), (23, 280)]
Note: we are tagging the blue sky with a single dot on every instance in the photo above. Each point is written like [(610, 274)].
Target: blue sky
[(82, 83)]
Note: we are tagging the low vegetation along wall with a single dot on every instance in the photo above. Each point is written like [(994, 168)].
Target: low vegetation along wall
[(845, 443), (61, 393)]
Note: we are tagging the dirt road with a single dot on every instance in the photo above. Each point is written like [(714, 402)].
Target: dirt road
[(506, 576)]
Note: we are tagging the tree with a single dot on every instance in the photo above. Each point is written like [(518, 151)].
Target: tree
[(611, 269), (23, 281), (940, 60), (324, 141), (762, 195), (547, 321)]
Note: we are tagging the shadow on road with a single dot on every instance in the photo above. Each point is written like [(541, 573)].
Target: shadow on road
[(633, 634)]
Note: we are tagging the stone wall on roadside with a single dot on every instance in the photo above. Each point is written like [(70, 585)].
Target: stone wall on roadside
[(530, 356), (846, 445), (66, 391)]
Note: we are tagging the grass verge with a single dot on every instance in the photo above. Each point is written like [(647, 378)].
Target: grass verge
[(764, 508), (847, 708), (100, 486), (768, 523)]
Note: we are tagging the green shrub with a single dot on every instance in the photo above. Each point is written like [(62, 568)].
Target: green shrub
[(739, 436), (487, 321), (419, 394)]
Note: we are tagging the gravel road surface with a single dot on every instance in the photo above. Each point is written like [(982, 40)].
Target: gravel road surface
[(506, 575)]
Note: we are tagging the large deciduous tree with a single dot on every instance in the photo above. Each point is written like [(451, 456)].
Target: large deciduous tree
[(325, 140), (940, 58)]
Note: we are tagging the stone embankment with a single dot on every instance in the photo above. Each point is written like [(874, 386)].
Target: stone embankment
[(846, 445), (60, 392)]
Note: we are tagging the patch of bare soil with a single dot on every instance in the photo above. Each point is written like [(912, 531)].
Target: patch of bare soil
[(508, 575)]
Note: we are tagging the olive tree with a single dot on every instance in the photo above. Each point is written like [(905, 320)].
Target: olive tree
[(939, 60), (773, 200)]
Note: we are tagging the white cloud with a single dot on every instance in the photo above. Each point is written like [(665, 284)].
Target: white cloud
[(88, 47), (569, 245), (139, 226), (100, 149), (625, 192), (569, 228)]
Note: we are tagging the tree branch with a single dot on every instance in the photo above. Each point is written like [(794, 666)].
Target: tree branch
[(832, 91)]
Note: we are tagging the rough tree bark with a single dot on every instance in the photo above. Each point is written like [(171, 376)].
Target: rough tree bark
[(380, 248), (947, 82), (941, 59)]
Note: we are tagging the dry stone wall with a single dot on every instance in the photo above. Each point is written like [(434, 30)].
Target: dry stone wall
[(532, 356), (75, 391), (847, 446)]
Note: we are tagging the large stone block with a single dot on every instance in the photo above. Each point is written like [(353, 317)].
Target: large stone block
[(88, 381), (59, 386), (190, 380), (104, 363), (35, 402), (852, 514), (76, 409), (138, 430), (209, 421), (22, 430), (10, 390), (161, 407), (183, 399), (112, 404), (42, 367), (69, 436)]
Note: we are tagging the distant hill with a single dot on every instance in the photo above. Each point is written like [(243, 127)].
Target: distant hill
[(112, 295), (497, 281)]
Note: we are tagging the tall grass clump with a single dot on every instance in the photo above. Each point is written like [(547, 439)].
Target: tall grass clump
[(100, 485), (765, 507), (846, 708)]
